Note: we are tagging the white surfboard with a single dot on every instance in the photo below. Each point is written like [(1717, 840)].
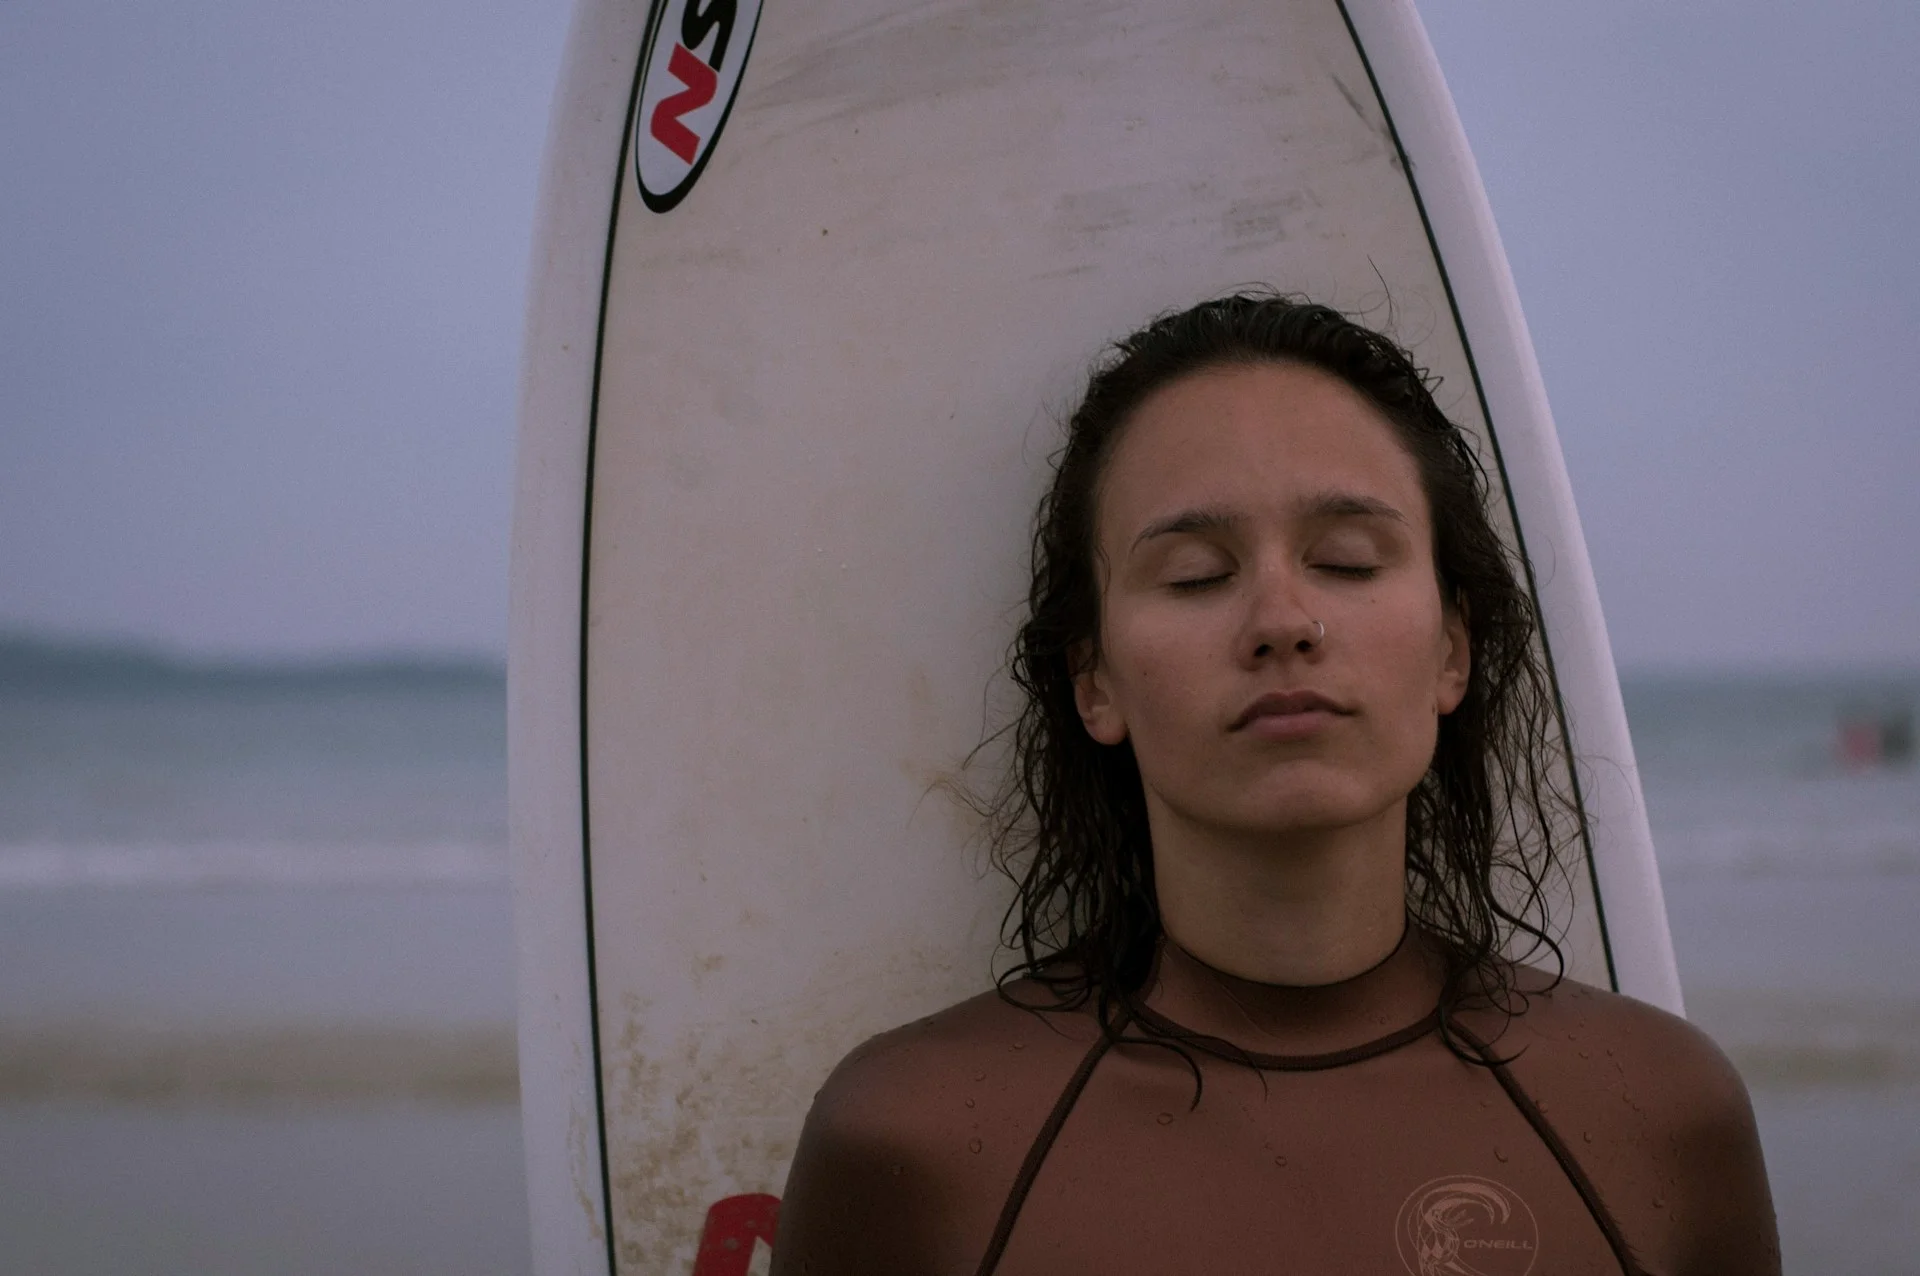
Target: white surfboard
[(811, 287)]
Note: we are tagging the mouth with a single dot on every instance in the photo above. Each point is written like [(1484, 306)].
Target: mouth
[(1281, 708)]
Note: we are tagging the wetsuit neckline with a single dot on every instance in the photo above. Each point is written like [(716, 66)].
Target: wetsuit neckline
[(1406, 928), (1397, 998), (1224, 1049)]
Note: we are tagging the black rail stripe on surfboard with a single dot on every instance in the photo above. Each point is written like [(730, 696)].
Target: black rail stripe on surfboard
[(1506, 491), (586, 595)]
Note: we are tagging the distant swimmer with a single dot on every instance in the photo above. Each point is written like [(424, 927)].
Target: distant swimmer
[(1285, 786), (1875, 739)]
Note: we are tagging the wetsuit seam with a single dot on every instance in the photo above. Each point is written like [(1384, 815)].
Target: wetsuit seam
[(1220, 1048), (1042, 1144), (1589, 1195)]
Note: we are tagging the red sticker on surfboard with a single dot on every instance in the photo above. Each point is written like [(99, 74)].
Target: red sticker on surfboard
[(695, 54), (735, 1228)]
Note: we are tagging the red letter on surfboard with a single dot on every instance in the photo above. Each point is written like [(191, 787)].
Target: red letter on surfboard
[(733, 1224), (701, 82)]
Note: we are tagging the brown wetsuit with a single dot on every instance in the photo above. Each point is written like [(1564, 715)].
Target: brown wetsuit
[(989, 1139)]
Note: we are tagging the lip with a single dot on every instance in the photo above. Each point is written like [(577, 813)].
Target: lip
[(1283, 709)]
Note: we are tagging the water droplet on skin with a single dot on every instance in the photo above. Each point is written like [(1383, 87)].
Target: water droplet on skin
[(1587, 1135), (1486, 1103), (1659, 1202), (1585, 1055), (973, 1145), (1280, 1161), (1165, 1118), (896, 1170), (969, 1102), (979, 1076), (1500, 1156), (1019, 1045)]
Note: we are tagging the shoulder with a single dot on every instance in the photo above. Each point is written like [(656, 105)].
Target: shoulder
[(1656, 1062), (914, 1140), (1654, 1112), (954, 1069)]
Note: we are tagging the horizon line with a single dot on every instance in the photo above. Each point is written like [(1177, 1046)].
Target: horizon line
[(21, 646)]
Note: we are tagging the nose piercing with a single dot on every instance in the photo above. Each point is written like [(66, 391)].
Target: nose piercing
[(1320, 634)]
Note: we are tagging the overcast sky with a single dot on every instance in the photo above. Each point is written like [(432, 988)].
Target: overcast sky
[(262, 264)]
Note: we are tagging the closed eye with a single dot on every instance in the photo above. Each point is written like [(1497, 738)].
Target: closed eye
[(1350, 572), (1195, 585)]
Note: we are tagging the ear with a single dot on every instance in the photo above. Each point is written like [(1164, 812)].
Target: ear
[(1093, 696), (1456, 667)]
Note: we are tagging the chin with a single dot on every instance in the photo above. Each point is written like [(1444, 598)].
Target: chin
[(1306, 802)]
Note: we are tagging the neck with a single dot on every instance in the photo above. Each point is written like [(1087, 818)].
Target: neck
[(1311, 907)]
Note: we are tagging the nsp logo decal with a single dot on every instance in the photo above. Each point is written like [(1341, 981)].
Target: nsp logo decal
[(696, 50)]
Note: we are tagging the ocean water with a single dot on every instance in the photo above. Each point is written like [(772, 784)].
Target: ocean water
[(359, 778), (256, 974), (1792, 876), (256, 987)]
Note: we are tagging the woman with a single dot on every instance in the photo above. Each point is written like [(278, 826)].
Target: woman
[(1285, 788)]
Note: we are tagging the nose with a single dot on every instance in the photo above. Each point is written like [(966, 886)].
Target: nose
[(1278, 619)]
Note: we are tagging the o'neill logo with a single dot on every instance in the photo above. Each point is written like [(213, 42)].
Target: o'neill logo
[(1464, 1225), (696, 50)]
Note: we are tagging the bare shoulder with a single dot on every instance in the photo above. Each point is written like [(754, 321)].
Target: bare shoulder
[(959, 1069), (1656, 1115), (915, 1138), (1654, 1061)]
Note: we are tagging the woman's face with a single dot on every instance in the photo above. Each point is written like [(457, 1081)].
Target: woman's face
[(1241, 505)]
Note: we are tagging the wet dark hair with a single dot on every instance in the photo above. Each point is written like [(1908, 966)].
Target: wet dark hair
[(1485, 825)]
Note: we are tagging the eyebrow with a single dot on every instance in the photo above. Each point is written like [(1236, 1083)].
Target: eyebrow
[(1317, 507)]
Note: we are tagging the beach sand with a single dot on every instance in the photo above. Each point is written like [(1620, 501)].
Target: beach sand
[(286, 1188)]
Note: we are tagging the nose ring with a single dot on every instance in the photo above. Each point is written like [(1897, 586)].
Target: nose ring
[(1305, 644)]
